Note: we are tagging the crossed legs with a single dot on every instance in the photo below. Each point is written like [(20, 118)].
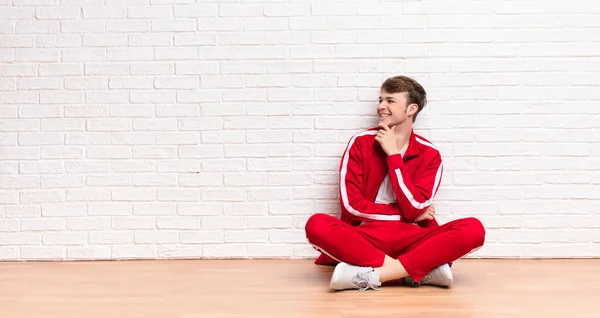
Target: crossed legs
[(393, 249)]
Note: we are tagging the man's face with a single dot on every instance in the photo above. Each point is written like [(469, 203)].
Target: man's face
[(393, 108)]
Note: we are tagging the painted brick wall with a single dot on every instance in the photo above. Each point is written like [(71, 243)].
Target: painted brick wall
[(182, 128)]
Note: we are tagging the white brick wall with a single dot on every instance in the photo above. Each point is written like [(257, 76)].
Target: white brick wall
[(185, 129)]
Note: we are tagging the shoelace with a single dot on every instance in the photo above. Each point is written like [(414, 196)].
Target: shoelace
[(361, 280), (426, 279)]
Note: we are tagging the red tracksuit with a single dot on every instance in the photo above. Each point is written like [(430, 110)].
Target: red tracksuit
[(371, 227)]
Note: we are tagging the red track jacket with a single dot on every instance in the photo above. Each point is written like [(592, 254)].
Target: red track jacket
[(415, 178)]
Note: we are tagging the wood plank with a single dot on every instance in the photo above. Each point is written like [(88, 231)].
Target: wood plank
[(291, 288)]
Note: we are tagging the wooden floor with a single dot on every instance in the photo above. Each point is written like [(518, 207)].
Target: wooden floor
[(284, 288)]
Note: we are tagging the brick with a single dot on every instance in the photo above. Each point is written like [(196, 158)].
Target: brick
[(64, 238), (9, 225), (57, 13), (285, 150), (156, 237), (129, 54), (108, 180), (269, 222), (246, 236), (18, 41), (20, 211), (98, 12), (110, 125), (224, 165), (64, 209), (246, 151), (248, 209), (20, 153), (223, 194), (195, 10), (178, 194), (287, 236), (149, 12), (128, 26), (149, 40), (233, 137), (132, 111), (88, 224), (196, 68), (9, 253), (199, 209), (177, 111), (245, 179), (133, 166), (104, 40), (269, 136), (134, 252), (109, 209), (270, 164), (83, 26), (222, 81), (200, 179), (111, 237), (153, 152), (173, 25), (8, 139), (178, 223), (61, 97), (138, 97), (35, 26), (201, 237), (19, 125), (41, 167), (93, 138), (265, 24), (133, 223), (204, 151), (62, 181), (195, 40), (154, 124), (43, 253), (106, 68), (184, 166), (88, 253), (220, 24), (183, 252), (223, 223), (269, 194), (154, 208), (131, 138), (199, 97)]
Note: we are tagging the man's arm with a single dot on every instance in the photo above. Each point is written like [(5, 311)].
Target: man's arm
[(414, 196), (351, 194)]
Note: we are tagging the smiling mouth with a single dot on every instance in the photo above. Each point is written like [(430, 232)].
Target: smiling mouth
[(384, 115)]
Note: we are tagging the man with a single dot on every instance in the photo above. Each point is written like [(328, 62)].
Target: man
[(389, 177)]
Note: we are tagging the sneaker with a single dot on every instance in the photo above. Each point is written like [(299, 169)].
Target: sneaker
[(439, 276), (346, 276)]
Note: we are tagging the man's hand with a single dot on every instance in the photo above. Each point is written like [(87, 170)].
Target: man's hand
[(427, 215), (387, 139)]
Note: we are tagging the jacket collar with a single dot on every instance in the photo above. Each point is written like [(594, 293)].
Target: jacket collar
[(413, 147)]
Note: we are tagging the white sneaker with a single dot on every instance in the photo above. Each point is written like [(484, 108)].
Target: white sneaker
[(439, 276), (346, 276)]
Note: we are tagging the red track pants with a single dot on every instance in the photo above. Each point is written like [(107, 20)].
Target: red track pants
[(418, 249)]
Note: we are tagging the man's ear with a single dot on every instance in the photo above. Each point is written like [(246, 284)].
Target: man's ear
[(411, 109)]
